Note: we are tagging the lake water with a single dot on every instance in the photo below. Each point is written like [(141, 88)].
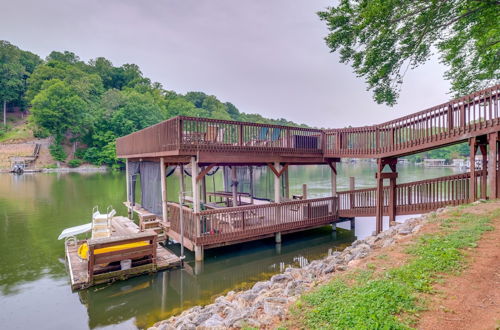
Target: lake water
[(34, 287)]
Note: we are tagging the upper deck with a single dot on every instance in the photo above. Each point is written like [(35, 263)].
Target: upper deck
[(222, 141), (213, 140)]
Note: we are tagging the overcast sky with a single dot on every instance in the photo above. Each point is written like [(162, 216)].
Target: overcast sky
[(264, 56)]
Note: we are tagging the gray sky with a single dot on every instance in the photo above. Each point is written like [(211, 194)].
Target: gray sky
[(264, 56)]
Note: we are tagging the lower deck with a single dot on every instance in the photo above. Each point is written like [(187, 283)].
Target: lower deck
[(123, 229), (230, 225)]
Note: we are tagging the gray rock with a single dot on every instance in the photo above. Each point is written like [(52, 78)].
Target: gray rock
[(276, 300), (281, 278), (348, 257), (329, 269), (201, 317), (214, 321), (273, 309), (248, 296), (259, 286), (293, 288), (186, 326), (341, 267), (416, 228), (405, 230), (247, 322), (388, 242), (370, 240)]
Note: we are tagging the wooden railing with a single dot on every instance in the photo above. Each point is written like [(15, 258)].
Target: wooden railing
[(446, 123), (413, 197), (192, 134), (239, 223)]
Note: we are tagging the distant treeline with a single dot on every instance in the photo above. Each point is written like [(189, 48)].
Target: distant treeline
[(91, 104), (451, 152)]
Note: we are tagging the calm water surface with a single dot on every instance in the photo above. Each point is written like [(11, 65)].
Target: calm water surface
[(34, 288)]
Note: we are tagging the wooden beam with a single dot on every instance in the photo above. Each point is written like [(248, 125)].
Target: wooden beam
[(386, 175), (333, 167), (204, 172), (275, 171), (163, 182)]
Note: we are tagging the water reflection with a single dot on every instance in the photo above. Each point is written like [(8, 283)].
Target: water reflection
[(231, 268), (34, 208)]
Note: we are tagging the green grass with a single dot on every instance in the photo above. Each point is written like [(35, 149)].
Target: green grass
[(392, 299), (16, 133)]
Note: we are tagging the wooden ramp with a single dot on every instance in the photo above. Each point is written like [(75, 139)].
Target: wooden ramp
[(123, 231)]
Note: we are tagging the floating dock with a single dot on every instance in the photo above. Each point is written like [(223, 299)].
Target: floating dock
[(106, 255)]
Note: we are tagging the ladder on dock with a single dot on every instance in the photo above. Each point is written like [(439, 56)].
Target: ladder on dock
[(101, 223)]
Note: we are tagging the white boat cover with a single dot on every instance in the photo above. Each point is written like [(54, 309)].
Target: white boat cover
[(75, 231)]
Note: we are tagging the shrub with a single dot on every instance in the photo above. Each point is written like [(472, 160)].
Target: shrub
[(75, 162), (40, 133), (80, 153), (57, 152)]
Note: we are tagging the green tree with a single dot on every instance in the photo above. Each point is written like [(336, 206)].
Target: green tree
[(382, 39), (11, 75), (60, 110)]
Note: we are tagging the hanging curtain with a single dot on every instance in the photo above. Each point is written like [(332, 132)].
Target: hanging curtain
[(133, 171), (151, 187)]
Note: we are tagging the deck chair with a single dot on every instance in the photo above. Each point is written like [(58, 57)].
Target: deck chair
[(275, 136), (261, 138)]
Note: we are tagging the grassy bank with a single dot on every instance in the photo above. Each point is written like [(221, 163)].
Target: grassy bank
[(389, 294)]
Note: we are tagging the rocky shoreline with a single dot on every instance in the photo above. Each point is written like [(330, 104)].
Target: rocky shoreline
[(267, 302)]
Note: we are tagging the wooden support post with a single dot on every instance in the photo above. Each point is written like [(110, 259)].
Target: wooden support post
[(304, 191), (353, 224), (379, 209), (286, 179), (181, 204), (163, 182), (392, 201), (493, 164), (472, 160), (484, 166), (277, 185), (250, 168), (333, 172), (127, 180), (234, 185), (334, 227), (204, 188), (198, 253), (195, 185), (352, 196), (278, 238)]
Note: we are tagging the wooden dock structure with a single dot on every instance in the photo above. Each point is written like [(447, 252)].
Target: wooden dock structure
[(101, 268), (204, 144)]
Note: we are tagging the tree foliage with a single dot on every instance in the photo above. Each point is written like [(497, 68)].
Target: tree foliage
[(94, 103), (382, 39), (15, 67)]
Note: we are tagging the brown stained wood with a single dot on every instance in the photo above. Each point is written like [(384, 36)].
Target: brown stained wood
[(275, 171), (204, 172)]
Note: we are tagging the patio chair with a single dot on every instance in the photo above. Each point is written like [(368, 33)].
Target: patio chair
[(275, 137), (261, 138)]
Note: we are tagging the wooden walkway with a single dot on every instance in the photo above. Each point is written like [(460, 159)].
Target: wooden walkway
[(206, 143), (121, 227)]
